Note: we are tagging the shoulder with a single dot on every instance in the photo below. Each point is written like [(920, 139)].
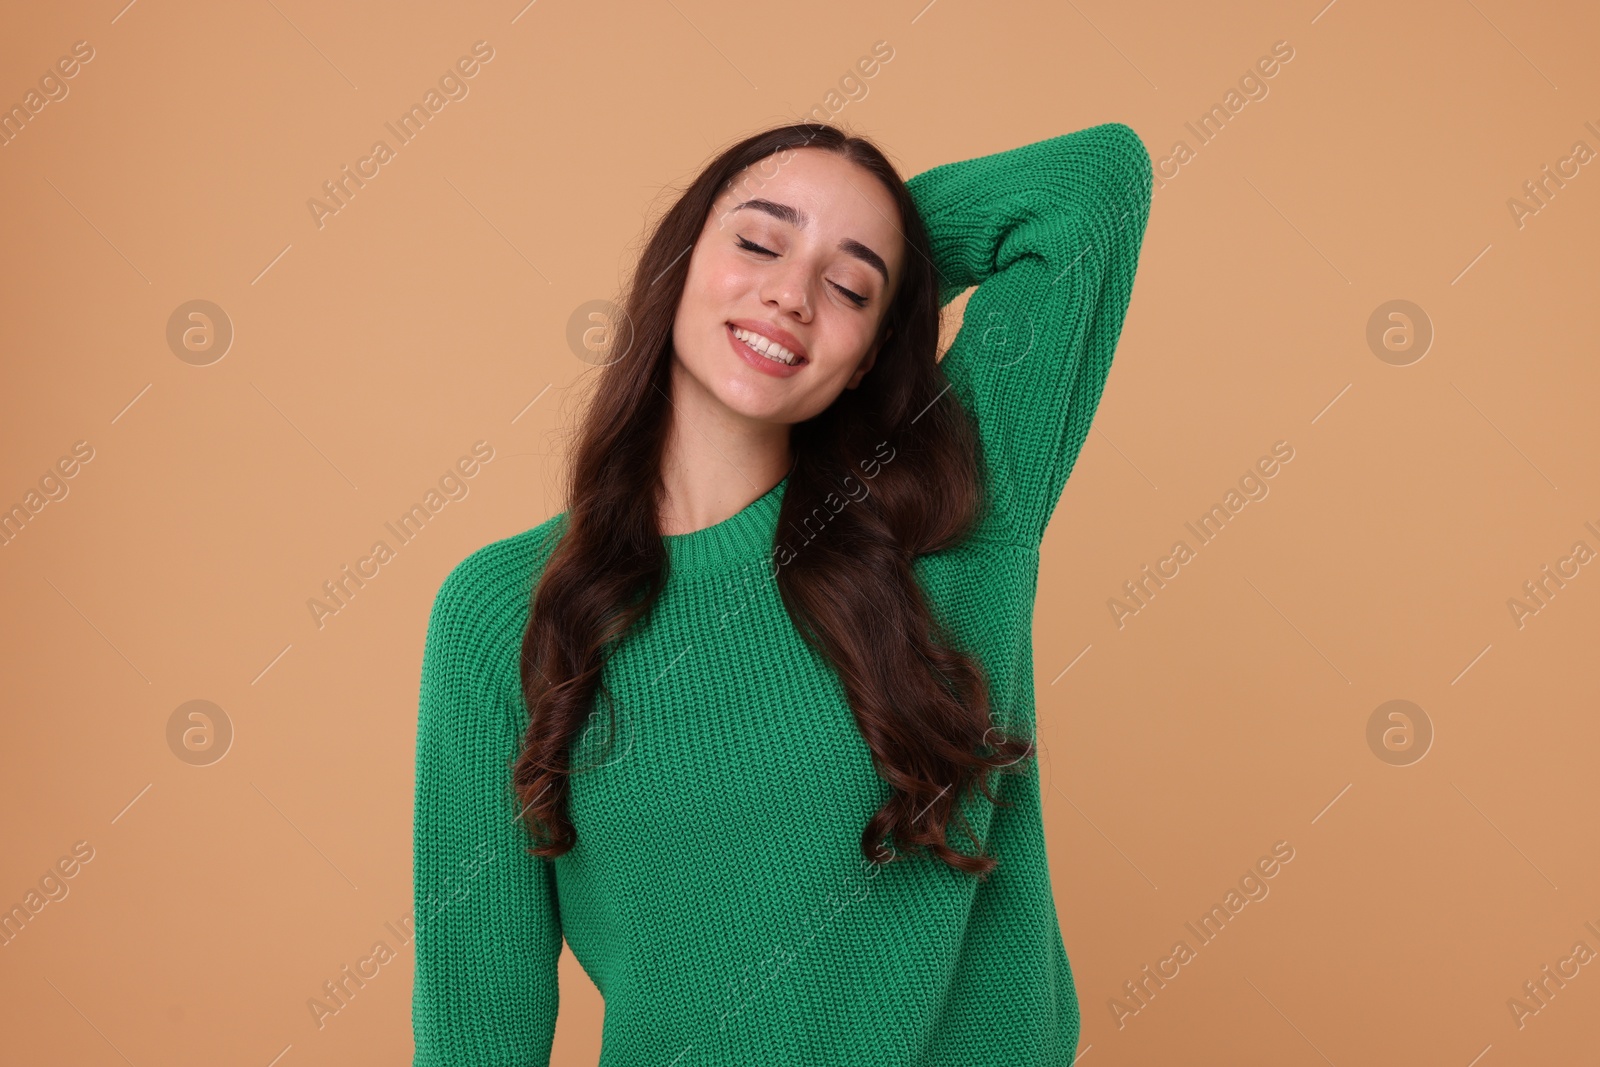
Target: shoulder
[(482, 603)]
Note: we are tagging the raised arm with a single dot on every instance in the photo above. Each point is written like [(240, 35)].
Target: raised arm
[(1050, 234), (488, 932)]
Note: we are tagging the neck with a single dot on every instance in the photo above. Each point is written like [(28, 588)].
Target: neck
[(715, 461)]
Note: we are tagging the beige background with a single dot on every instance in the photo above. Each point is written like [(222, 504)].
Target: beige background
[(372, 351)]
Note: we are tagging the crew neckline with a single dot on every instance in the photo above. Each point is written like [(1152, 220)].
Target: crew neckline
[(741, 537)]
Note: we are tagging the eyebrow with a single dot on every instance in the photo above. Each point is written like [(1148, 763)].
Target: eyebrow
[(798, 219)]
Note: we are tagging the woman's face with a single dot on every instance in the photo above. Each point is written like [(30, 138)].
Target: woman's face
[(796, 250)]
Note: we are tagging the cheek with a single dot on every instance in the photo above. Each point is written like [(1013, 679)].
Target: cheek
[(847, 341), (718, 278)]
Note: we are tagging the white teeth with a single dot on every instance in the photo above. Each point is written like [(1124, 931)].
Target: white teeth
[(771, 349)]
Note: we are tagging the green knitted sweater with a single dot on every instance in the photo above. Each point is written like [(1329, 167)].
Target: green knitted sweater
[(717, 895)]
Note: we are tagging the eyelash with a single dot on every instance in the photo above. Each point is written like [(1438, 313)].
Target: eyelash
[(856, 299)]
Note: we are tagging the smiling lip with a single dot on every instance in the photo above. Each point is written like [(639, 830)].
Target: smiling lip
[(773, 333), (758, 361)]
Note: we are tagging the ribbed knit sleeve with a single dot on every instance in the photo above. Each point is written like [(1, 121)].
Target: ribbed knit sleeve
[(1050, 233), (488, 934)]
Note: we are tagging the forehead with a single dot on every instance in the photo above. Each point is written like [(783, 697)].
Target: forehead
[(838, 198)]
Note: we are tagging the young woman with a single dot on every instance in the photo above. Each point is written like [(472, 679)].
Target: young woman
[(750, 725)]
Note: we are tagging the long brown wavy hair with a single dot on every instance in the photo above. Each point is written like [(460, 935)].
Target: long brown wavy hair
[(921, 705)]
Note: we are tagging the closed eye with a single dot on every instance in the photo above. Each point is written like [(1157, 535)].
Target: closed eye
[(755, 247), (855, 298)]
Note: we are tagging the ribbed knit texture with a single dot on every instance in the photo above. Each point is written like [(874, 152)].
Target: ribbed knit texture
[(717, 895)]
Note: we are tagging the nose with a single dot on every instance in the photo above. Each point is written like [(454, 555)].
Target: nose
[(789, 291)]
